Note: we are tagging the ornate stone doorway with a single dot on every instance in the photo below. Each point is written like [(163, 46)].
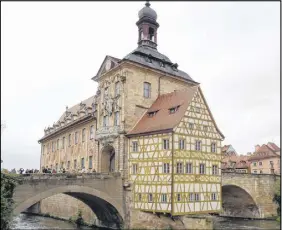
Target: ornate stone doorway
[(108, 159)]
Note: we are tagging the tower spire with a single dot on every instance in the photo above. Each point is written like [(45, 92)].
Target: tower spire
[(147, 26)]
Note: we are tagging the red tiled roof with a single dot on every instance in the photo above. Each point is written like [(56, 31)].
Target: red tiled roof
[(163, 120), (240, 161), (273, 146), (263, 152)]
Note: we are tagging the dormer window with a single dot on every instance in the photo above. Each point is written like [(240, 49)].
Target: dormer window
[(174, 67), (162, 64), (174, 109), (148, 59), (153, 113)]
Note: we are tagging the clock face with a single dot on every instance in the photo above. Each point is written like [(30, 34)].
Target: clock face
[(108, 65)]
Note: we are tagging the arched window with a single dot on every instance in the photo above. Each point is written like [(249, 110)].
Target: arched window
[(147, 90)]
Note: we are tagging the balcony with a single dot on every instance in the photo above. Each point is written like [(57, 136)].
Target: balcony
[(108, 132)]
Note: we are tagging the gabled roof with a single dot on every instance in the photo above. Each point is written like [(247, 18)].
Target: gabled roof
[(163, 120), (273, 146), (114, 62), (262, 153)]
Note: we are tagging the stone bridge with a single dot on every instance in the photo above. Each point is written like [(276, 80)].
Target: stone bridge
[(103, 193), (243, 195), (249, 195)]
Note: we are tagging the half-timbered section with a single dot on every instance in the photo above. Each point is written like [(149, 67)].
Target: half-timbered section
[(197, 160), (175, 156)]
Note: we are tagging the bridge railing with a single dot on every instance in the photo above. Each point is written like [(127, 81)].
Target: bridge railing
[(47, 176)]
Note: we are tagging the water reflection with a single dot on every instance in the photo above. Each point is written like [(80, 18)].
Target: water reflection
[(25, 221)]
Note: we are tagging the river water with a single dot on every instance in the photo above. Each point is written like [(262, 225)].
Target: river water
[(25, 221)]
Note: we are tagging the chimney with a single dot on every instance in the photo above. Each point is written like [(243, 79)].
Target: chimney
[(256, 148)]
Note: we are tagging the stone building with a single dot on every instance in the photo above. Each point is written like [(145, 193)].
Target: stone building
[(149, 121), (266, 159)]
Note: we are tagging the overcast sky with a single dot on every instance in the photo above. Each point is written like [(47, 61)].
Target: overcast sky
[(50, 51)]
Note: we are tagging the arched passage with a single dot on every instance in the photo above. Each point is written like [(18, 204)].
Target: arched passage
[(108, 159), (237, 202), (106, 209)]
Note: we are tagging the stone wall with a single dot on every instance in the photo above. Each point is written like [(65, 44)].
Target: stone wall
[(65, 206), (146, 220), (259, 187)]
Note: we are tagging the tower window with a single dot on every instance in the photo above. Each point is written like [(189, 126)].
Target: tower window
[(151, 34), (147, 90)]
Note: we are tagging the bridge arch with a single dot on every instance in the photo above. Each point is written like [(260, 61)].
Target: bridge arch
[(105, 208), (238, 202)]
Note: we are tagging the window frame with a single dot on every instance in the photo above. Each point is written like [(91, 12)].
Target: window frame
[(90, 162), (150, 198), (82, 162), (165, 144), (166, 168), (63, 142), (134, 146), (181, 144), (213, 147), (91, 132), (83, 135), (163, 198), (117, 88), (134, 169), (116, 119), (178, 197), (200, 169), (179, 168), (215, 170), (69, 140), (147, 90), (76, 138), (198, 145), (191, 168)]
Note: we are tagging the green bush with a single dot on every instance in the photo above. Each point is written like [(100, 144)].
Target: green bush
[(8, 184)]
